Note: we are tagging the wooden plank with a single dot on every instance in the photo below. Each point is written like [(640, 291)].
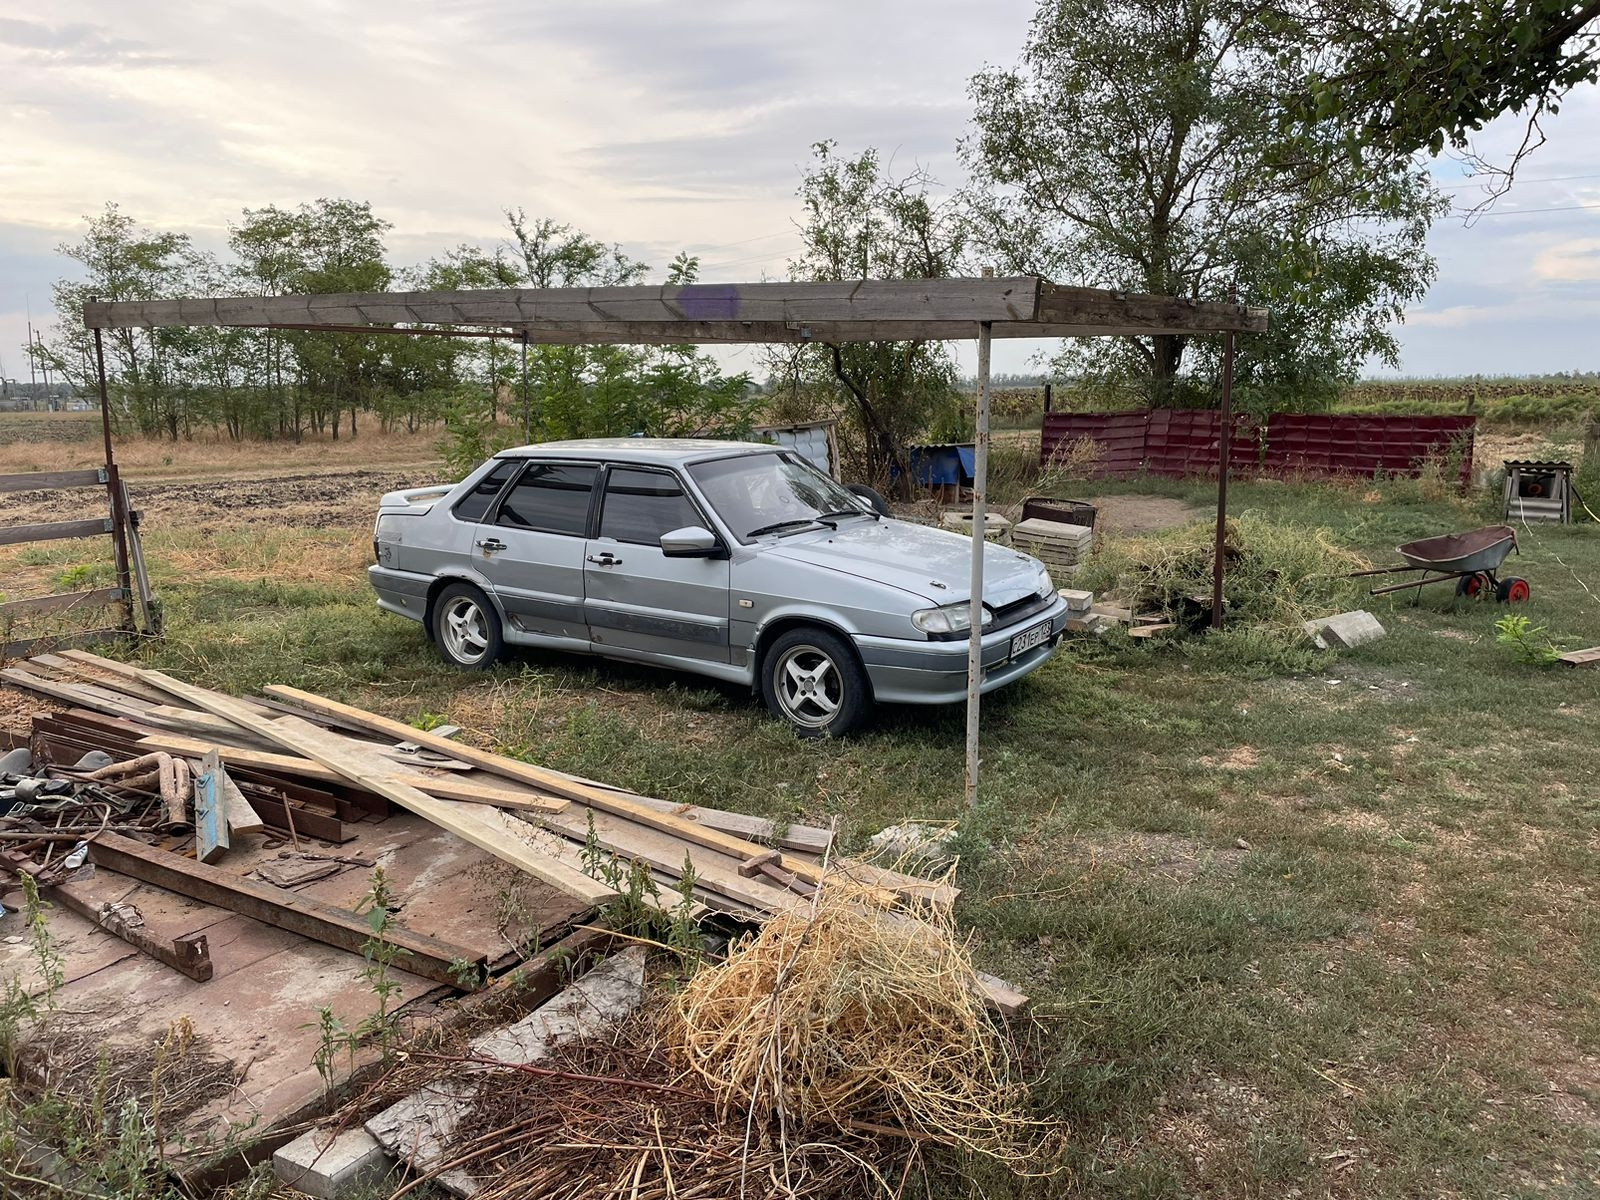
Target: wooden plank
[(42, 481), (54, 531), (94, 598), (360, 766), (439, 786), (68, 693), (425, 956), (1000, 995), (964, 300), (241, 817), (1581, 658), (598, 798), (88, 637)]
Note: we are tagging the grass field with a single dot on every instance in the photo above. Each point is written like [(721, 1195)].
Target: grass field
[(1293, 927)]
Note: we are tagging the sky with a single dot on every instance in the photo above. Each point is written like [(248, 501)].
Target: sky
[(651, 123)]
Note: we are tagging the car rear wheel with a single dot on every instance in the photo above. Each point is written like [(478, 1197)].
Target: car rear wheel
[(811, 679), (467, 628)]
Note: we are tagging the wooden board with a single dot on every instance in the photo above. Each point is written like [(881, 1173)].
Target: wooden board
[(597, 798), (1581, 658), (368, 770), (94, 598), (54, 531), (44, 481), (443, 787)]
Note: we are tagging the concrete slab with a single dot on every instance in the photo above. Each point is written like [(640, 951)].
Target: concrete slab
[(1344, 631), (331, 1166), (419, 1128)]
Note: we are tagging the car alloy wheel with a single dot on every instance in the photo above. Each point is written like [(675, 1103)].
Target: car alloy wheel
[(809, 685), (464, 629)]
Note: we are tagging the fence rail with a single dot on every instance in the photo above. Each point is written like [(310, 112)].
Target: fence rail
[(1175, 442)]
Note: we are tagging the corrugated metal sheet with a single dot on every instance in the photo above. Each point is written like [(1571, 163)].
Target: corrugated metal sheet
[(812, 442), (1185, 442)]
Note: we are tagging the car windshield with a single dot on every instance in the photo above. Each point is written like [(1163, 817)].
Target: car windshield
[(772, 493)]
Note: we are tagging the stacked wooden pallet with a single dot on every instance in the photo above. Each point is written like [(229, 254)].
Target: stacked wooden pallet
[(313, 764), (1060, 546)]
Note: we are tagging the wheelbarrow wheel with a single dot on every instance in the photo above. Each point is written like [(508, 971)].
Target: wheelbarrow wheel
[(1473, 586), (1513, 591)]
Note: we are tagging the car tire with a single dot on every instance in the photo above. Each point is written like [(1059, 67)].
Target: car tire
[(812, 679), (872, 496), (466, 628)]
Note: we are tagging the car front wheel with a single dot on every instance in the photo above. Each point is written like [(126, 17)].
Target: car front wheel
[(467, 628), (811, 679)]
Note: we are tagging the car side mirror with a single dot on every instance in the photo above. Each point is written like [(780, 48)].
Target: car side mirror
[(692, 541)]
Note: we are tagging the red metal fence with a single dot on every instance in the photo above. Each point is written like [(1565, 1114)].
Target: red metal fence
[(1171, 441)]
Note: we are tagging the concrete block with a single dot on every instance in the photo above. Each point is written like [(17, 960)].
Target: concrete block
[(421, 1128), (330, 1167), (1077, 601), (913, 845), (1345, 631)]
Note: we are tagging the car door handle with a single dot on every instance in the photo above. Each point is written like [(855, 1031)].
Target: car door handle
[(606, 559), (490, 545)]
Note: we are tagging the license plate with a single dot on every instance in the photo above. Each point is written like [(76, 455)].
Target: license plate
[(1029, 638)]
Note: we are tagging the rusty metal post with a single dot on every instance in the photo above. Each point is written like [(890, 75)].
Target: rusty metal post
[(1224, 447), (980, 515), (119, 509)]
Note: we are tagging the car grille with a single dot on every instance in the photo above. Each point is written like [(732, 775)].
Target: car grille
[(1020, 610)]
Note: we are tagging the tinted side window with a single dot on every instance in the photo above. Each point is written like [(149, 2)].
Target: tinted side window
[(475, 503), (551, 498), (640, 506)]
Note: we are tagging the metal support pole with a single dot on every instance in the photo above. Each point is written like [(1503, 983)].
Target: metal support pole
[(980, 514), (527, 400), (1225, 445), (119, 507)]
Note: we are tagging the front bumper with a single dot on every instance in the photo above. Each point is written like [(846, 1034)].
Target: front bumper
[(907, 672)]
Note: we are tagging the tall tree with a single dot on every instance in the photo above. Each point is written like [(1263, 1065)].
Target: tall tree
[(1420, 75), (861, 222), (1139, 146), (121, 260)]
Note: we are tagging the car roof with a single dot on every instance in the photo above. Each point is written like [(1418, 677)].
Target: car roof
[(640, 450)]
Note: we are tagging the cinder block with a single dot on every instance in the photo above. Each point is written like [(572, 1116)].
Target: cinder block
[(1345, 631), (328, 1167), (1077, 601)]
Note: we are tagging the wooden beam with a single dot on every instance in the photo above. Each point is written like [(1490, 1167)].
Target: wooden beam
[(1096, 307), (67, 600), (54, 531), (43, 481), (873, 299), (425, 956), (442, 787), (597, 798), (366, 769)]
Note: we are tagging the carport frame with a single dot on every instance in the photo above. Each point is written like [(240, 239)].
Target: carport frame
[(751, 313)]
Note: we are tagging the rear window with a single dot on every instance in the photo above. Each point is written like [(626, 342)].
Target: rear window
[(550, 498), (640, 506), (475, 503)]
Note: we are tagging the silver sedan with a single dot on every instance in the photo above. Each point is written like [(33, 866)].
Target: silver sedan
[(738, 561)]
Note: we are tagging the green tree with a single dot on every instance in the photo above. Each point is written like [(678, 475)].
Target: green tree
[(863, 223), (1139, 146), (1391, 79), (122, 260)]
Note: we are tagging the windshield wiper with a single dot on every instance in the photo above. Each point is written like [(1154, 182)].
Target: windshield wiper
[(853, 512), (777, 526)]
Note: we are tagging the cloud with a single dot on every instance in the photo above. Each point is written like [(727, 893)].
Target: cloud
[(1573, 261), (77, 44)]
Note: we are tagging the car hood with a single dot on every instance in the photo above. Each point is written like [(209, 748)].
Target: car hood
[(935, 564)]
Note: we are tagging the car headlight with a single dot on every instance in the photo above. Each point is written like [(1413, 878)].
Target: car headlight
[(1046, 586), (952, 618)]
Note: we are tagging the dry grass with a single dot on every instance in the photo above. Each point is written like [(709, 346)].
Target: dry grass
[(71, 441), (848, 1015)]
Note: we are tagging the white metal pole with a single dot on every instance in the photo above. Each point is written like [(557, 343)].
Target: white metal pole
[(980, 483)]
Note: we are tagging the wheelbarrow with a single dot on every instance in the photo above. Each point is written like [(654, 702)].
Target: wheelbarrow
[(1473, 559)]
